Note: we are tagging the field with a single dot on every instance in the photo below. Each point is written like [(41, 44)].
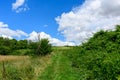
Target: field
[(22, 67), (64, 63), (12, 58), (36, 68)]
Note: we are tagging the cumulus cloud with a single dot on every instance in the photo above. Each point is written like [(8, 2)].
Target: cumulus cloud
[(2, 25), (19, 6), (54, 41), (6, 31), (93, 15), (5, 36)]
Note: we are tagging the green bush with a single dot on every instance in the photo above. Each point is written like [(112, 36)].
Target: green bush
[(4, 50), (99, 57), (44, 47), (22, 52)]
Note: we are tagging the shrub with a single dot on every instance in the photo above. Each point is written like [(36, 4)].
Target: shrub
[(44, 47), (99, 57), (4, 50)]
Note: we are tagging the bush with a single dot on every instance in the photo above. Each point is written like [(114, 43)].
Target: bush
[(4, 50), (99, 57), (43, 47), (22, 52)]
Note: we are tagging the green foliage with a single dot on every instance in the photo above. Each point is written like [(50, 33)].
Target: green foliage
[(22, 44), (99, 58), (33, 45), (118, 28), (22, 52), (4, 50), (24, 47), (9, 46), (43, 47)]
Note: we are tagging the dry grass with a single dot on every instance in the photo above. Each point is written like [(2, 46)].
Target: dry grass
[(23, 63), (38, 64), (12, 58), (44, 62)]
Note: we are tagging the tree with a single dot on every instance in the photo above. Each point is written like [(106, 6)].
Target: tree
[(44, 47), (118, 28), (4, 50)]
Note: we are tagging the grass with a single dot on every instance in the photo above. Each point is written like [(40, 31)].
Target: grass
[(12, 58), (60, 68), (55, 66), (23, 67)]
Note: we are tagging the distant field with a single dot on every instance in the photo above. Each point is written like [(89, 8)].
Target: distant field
[(61, 47)]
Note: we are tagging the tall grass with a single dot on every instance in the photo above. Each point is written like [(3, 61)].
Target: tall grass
[(22, 67)]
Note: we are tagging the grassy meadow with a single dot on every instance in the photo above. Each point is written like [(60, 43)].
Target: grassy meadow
[(22, 67), (47, 67)]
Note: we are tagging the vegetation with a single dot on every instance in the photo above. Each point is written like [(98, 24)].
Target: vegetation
[(22, 67), (24, 47), (43, 47), (60, 67), (99, 57), (96, 59)]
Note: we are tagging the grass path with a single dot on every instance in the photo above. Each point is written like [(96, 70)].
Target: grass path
[(60, 68)]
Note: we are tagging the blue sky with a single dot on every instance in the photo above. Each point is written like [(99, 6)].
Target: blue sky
[(63, 22), (39, 17)]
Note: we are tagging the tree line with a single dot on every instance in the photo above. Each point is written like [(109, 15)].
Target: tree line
[(24, 47)]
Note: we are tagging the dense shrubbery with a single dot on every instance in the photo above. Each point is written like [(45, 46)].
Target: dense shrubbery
[(99, 57), (24, 47)]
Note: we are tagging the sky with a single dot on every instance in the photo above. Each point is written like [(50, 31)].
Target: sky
[(63, 22)]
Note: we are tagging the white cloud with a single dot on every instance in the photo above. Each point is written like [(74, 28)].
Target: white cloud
[(6, 31), (2, 25), (5, 36), (19, 6), (94, 15), (56, 42)]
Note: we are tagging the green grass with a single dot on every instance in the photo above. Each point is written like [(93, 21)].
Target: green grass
[(60, 69), (55, 66), (64, 63)]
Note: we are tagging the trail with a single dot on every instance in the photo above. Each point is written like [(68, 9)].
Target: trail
[(60, 68)]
